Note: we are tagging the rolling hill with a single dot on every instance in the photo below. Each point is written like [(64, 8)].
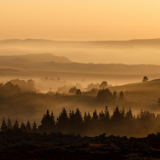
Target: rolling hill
[(36, 58), (125, 52)]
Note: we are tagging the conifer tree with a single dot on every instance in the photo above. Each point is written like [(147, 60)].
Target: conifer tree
[(95, 123), (78, 121), (129, 120), (63, 121), (101, 117), (107, 115), (114, 95), (116, 117), (16, 125), (121, 96), (34, 127), (95, 116), (9, 124), (47, 123), (123, 113), (102, 120), (87, 123), (71, 116), (28, 127), (129, 115), (53, 121), (23, 127), (89, 117), (78, 117), (71, 121), (85, 118), (4, 126)]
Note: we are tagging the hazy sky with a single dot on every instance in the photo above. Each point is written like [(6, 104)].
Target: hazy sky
[(80, 20)]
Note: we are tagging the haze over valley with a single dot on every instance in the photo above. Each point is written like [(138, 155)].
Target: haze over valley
[(143, 51), (80, 79)]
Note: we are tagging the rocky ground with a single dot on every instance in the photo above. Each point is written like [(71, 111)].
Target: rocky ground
[(20, 145)]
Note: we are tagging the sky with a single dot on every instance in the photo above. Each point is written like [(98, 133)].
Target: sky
[(80, 20)]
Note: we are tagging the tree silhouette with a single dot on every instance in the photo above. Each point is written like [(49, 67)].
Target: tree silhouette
[(78, 92), (146, 116), (87, 119), (104, 94), (102, 120), (34, 127), (9, 89), (123, 114), (52, 122), (145, 79), (23, 127), (24, 86), (117, 116), (63, 89), (31, 85), (95, 122), (87, 123), (93, 86), (28, 127), (78, 121), (47, 123), (16, 125), (95, 116), (114, 95), (4, 126), (103, 85), (71, 122), (63, 121), (129, 115), (107, 114), (119, 123), (73, 90), (9, 124), (121, 96)]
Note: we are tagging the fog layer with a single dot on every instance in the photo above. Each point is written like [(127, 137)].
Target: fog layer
[(126, 52)]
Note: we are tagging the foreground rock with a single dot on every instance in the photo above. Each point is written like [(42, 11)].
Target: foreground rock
[(20, 145)]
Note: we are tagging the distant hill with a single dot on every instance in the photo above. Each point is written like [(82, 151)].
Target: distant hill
[(37, 58), (153, 85), (62, 64), (125, 52), (82, 44), (45, 66)]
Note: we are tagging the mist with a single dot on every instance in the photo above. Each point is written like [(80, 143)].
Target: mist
[(79, 79), (142, 51), (56, 71), (38, 98)]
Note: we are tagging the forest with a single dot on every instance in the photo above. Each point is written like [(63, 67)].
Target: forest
[(20, 96), (120, 122)]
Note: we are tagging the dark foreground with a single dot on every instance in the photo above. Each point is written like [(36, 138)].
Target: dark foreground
[(19, 145)]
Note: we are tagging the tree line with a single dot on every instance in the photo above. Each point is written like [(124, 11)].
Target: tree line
[(120, 123), (106, 94), (15, 87)]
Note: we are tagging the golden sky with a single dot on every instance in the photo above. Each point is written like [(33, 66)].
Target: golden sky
[(80, 19)]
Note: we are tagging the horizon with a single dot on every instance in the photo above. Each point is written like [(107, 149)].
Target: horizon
[(133, 51), (114, 40)]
